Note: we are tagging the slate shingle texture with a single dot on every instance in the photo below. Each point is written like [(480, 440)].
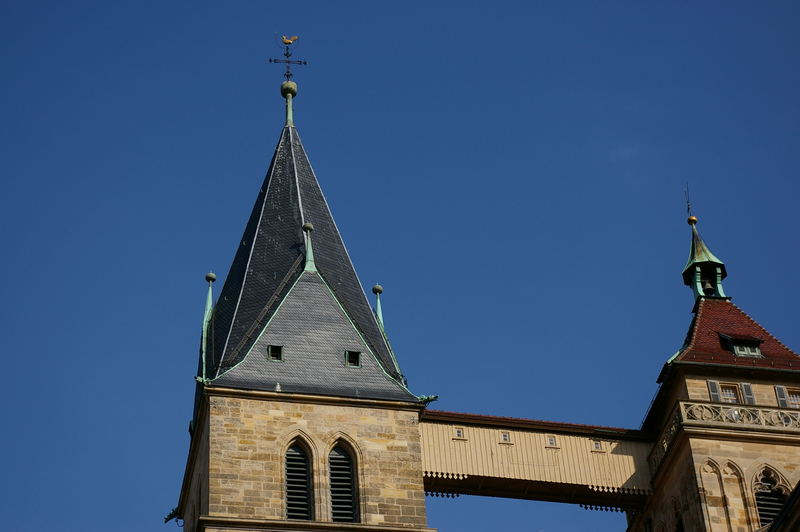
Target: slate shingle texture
[(314, 334)]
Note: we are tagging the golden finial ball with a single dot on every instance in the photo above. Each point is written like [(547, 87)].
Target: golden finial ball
[(692, 220), (308, 227), (211, 277), (287, 88), (377, 289)]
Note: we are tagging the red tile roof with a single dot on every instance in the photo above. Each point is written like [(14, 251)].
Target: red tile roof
[(443, 416), (717, 317)]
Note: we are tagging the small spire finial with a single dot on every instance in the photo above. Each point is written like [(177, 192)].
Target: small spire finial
[(308, 227), (210, 278), (288, 87), (378, 290)]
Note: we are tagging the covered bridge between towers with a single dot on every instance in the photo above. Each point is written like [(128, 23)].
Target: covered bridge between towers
[(593, 466)]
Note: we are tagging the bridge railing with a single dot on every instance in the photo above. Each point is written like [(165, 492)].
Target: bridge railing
[(726, 415)]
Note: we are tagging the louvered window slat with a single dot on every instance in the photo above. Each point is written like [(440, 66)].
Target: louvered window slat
[(344, 499), (769, 504), (770, 497), (299, 501)]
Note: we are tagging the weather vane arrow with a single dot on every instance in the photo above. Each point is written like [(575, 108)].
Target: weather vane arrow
[(288, 61)]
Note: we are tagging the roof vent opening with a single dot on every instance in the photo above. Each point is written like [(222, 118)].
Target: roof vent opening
[(352, 359), (275, 353)]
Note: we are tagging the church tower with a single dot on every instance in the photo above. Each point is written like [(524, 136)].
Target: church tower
[(725, 419), (302, 417)]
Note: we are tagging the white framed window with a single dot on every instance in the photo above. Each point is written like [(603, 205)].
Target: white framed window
[(794, 397), (788, 397), (505, 436), (729, 393), (746, 350), (551, 440), (597, 446), (459, 433)]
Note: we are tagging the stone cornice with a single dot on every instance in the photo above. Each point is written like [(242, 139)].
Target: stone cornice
[(312, 399)]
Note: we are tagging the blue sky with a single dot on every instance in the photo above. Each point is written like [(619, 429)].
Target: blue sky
[(512, 173)]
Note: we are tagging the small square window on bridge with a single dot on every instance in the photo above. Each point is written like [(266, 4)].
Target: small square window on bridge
[(505, 436), (552, 441), (275, 353), (597, 446), (352, 359), (458, 433)]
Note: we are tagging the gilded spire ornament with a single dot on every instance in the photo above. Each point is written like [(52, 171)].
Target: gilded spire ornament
[(288, 87)]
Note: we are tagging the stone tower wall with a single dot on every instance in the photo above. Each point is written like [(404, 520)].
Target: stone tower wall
[(249, 437)]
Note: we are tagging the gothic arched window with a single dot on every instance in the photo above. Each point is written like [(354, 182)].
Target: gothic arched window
[(770, 493), (344, 488), (299, 485)]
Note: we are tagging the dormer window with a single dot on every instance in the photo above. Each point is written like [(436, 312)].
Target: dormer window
[(741, 346), (744, 350)]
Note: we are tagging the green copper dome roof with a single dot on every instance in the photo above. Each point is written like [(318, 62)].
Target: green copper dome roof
[(699, 254)]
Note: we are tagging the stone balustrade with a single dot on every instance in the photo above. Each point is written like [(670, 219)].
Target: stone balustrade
[(688, 413)]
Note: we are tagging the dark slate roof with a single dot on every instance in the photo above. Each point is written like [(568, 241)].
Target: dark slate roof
[(270, 258), (314, 333), (716, 319)]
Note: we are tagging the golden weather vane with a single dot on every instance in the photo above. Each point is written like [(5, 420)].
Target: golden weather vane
[(288, 61)]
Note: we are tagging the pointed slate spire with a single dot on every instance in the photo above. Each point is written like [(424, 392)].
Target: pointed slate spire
[(703, 272), (275, 254)]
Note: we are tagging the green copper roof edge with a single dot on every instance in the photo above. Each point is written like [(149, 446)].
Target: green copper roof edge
[(263, 329), (363, 340), (676, 355), (391, 351), (206, 321), (379, 317)]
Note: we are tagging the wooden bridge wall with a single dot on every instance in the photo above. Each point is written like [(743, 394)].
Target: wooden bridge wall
[(526, 467)]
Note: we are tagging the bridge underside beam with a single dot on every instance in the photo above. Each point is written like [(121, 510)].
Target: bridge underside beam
[(537, 490)]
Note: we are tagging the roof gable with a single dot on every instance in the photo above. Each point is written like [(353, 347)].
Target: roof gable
[(718, 320), (314, 332)]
